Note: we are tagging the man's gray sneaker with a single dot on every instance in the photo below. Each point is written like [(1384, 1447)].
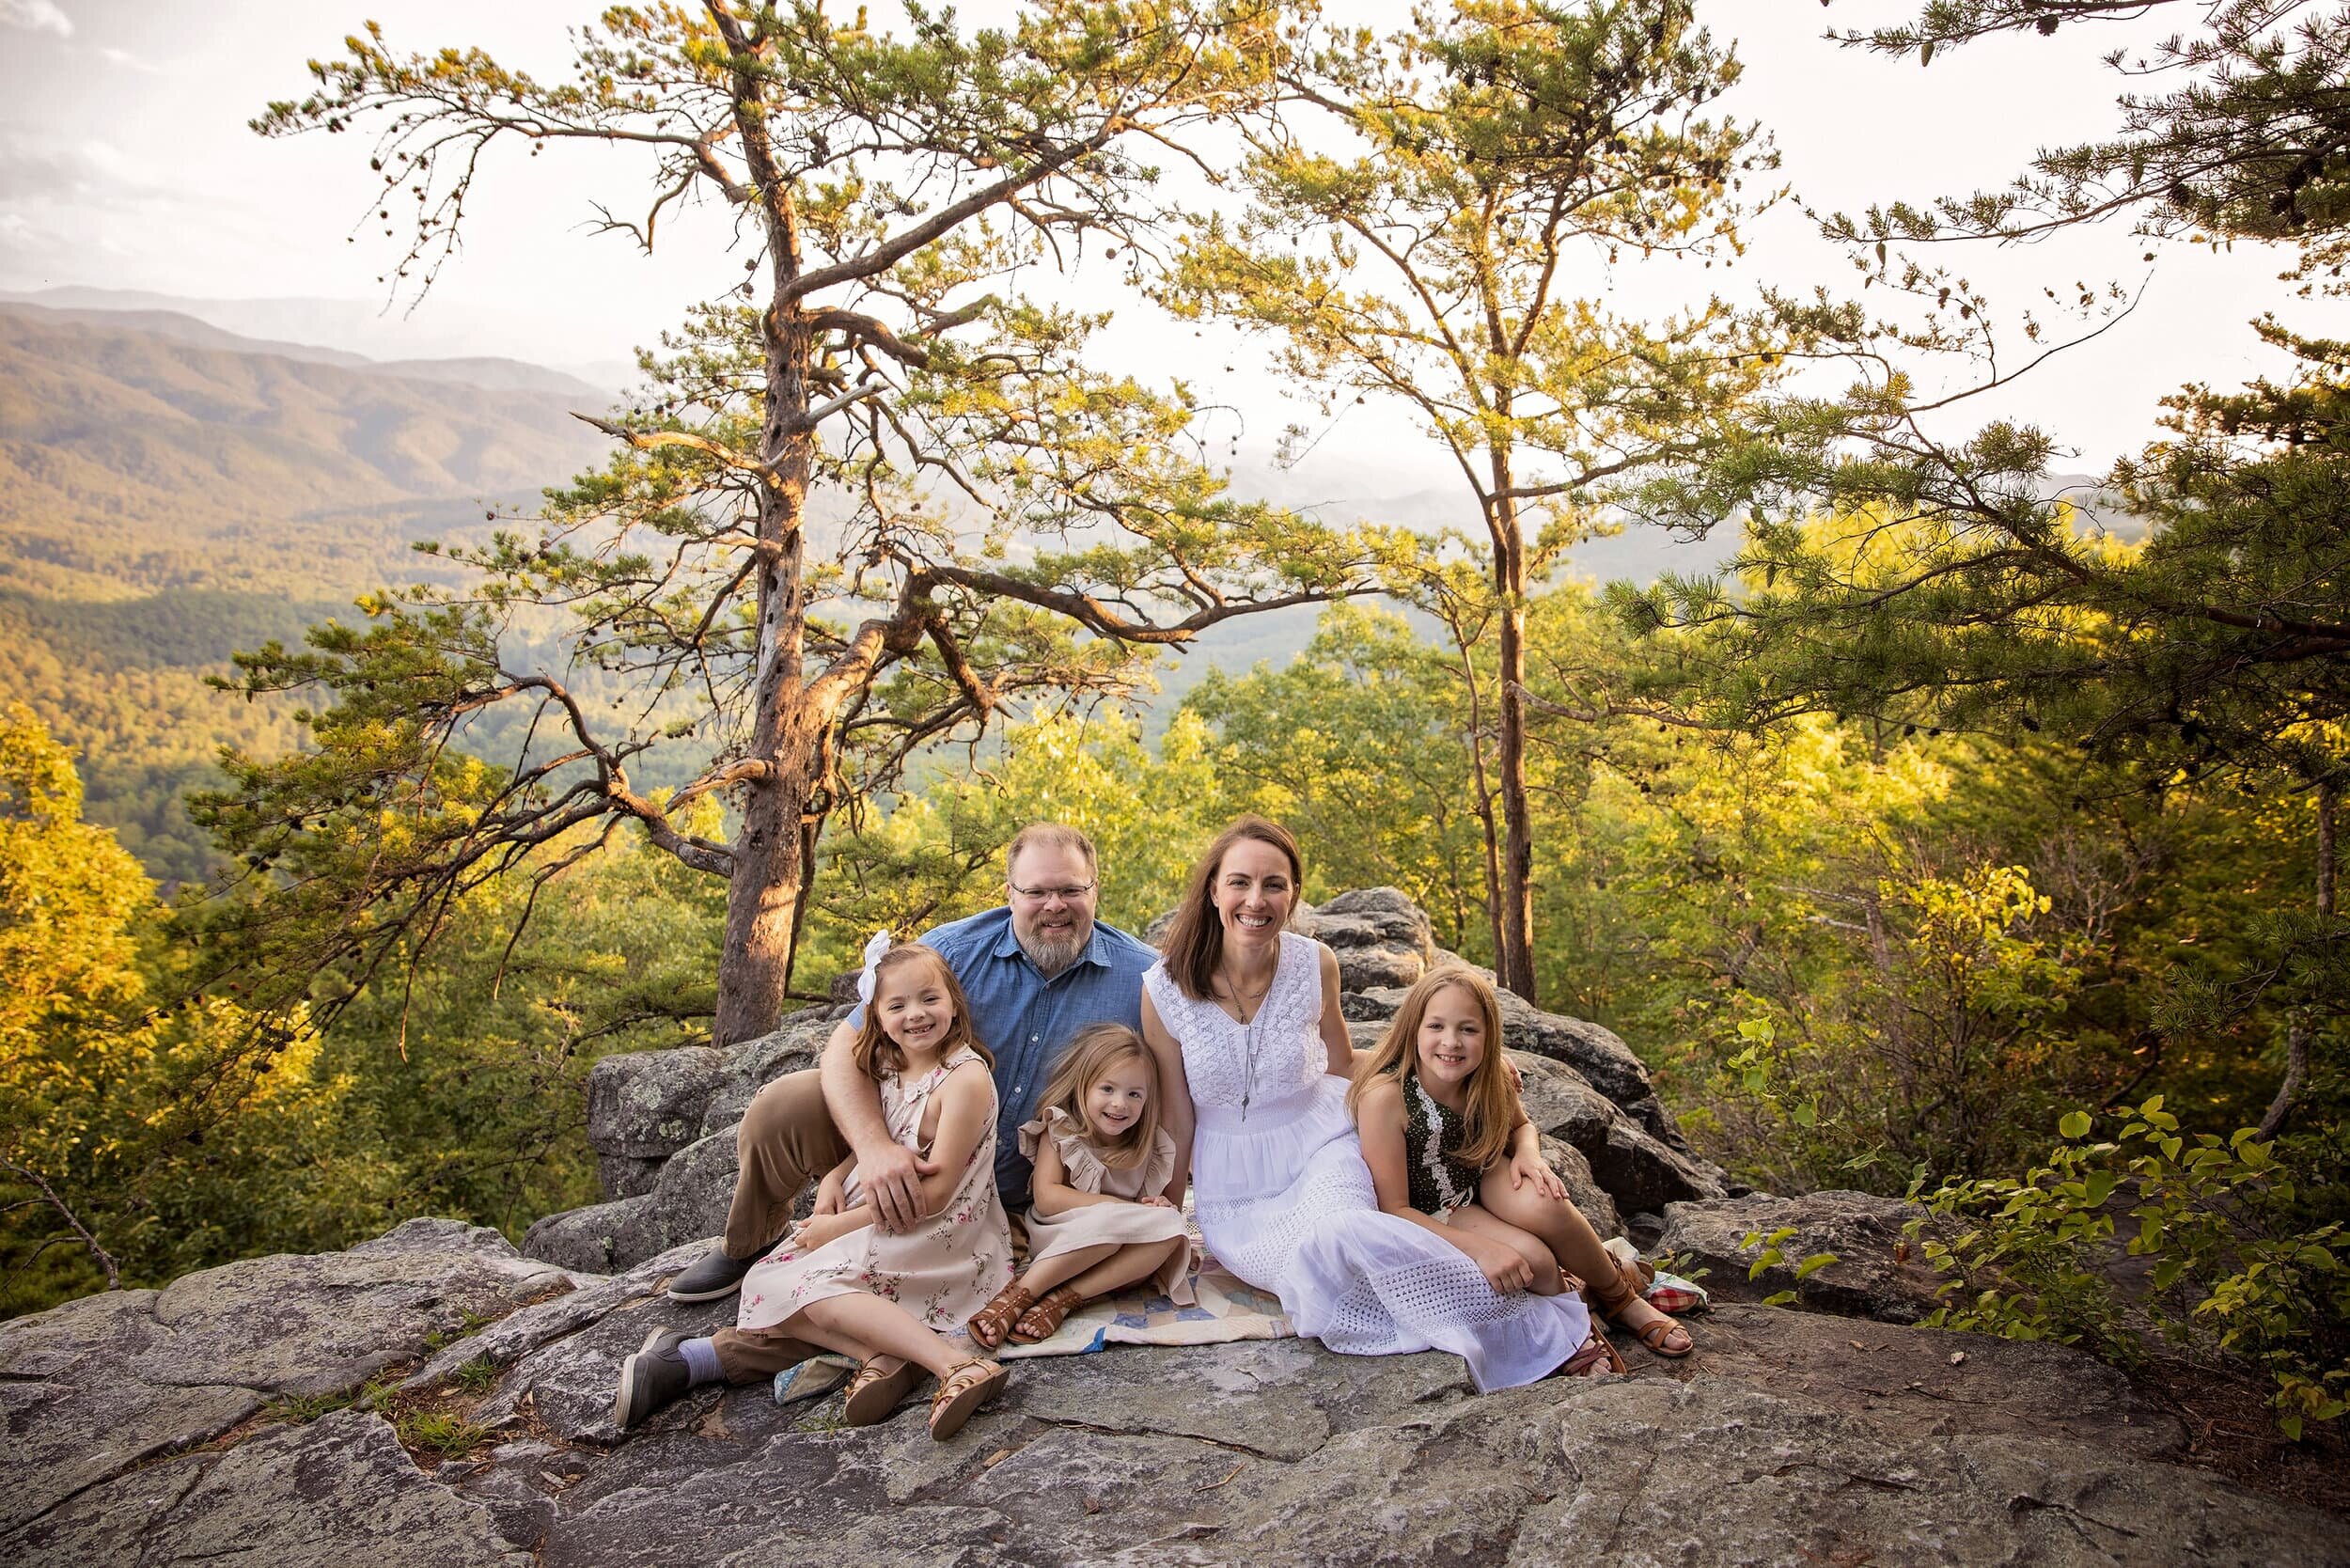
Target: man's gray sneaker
[(711, 1276), (649, 1379)]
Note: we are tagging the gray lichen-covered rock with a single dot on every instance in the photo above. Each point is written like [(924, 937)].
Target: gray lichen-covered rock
[(514, 1336), (1790, 1437), (756, 1063), (1637, 1170), (1381, 937), (602, 1238), (307, 1325), (92, 1389), (1869, 1279), (696, 1187), (628, 1176), (338, 1492), (648, 1104)]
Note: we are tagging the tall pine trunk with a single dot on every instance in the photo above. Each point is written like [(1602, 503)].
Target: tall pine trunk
[(1513, 964), (787, 729)]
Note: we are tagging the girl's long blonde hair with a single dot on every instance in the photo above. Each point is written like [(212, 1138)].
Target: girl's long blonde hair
[(876, 1055), (1090, 1054), (1493, 1112)]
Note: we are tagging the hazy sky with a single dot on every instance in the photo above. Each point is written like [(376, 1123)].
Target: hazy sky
[(125, 163)]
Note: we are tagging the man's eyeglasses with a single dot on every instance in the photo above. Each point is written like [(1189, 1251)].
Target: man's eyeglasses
[(1047, 895)]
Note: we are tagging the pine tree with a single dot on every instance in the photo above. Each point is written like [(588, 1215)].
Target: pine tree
[(865, 506), (1416, 232)]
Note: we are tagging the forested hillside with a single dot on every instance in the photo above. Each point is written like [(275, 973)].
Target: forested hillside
[(170, 493)]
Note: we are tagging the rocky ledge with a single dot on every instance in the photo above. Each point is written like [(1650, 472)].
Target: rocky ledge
[(434, 1398)]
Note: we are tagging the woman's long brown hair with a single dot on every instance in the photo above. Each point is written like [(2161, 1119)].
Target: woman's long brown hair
[(1195, 943), (876, 1055), (1492, 1116)]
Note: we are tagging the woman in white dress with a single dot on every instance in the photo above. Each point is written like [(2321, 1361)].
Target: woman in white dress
[(1242, 1016)]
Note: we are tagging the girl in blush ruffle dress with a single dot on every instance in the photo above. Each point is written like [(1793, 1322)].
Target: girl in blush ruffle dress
[(1102, 1219)]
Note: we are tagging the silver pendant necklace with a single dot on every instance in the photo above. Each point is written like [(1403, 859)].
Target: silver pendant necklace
[(1248, 1037), (1249, 1061)]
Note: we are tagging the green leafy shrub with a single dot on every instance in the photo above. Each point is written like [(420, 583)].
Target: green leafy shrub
[(2240, 1264)]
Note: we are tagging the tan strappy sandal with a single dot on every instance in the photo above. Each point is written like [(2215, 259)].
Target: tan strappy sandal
[(873, 1394), (1595, 1356), (1657, 1333), (1050, 1310), (991, 1323), (966, 1385)]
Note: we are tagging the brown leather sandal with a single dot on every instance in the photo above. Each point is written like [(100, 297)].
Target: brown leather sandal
[(1657, 1333), (991, 1323), (1595, 1356), (873, 1394), (1042, 1319), (966, 1385)]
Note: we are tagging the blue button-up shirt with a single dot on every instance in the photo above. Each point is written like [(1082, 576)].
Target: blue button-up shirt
[(1026, 1018)]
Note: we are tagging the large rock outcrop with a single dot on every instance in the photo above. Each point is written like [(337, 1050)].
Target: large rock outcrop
[(199, 1423), (662, 1122), (1877, 1274)]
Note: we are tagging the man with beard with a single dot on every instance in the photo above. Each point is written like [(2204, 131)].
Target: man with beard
[(1036, 971)]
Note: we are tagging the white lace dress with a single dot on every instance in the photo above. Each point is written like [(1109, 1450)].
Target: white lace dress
[(1285, 1202)]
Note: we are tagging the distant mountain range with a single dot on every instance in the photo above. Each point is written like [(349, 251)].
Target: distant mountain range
[(172, 489), (359, 333), (139, 453)]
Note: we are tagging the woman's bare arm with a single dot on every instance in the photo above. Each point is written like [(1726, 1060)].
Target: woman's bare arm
[(1335, 1039), (1176, 1112)]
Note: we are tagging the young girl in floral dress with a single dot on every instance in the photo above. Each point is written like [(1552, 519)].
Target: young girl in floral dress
[(1451, 1149), (840, 1283), (1101, 1217)]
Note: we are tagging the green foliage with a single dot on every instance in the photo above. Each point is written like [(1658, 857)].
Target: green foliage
[(1770, 1253), (171, 1131), (1361, 746), (2246, 145), (936, 855), (2237, 1255), (128, 1132), (439, 1433), (477, 1376)]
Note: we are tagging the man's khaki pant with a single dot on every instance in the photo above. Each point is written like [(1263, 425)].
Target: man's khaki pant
[(785, 1140)]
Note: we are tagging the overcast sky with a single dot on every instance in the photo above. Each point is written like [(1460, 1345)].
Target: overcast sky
[(125, 163)]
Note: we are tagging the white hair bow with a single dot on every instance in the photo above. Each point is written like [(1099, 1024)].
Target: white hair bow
[(874, 949)]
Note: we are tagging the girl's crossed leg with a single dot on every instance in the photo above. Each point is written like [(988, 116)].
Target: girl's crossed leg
[(1082, 1274), (889, 1344), (1557, 1230)]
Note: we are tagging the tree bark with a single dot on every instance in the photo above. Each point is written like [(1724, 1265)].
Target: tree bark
[(2301, 1026), (1490, 836), (763, 891), (1514, 962)]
